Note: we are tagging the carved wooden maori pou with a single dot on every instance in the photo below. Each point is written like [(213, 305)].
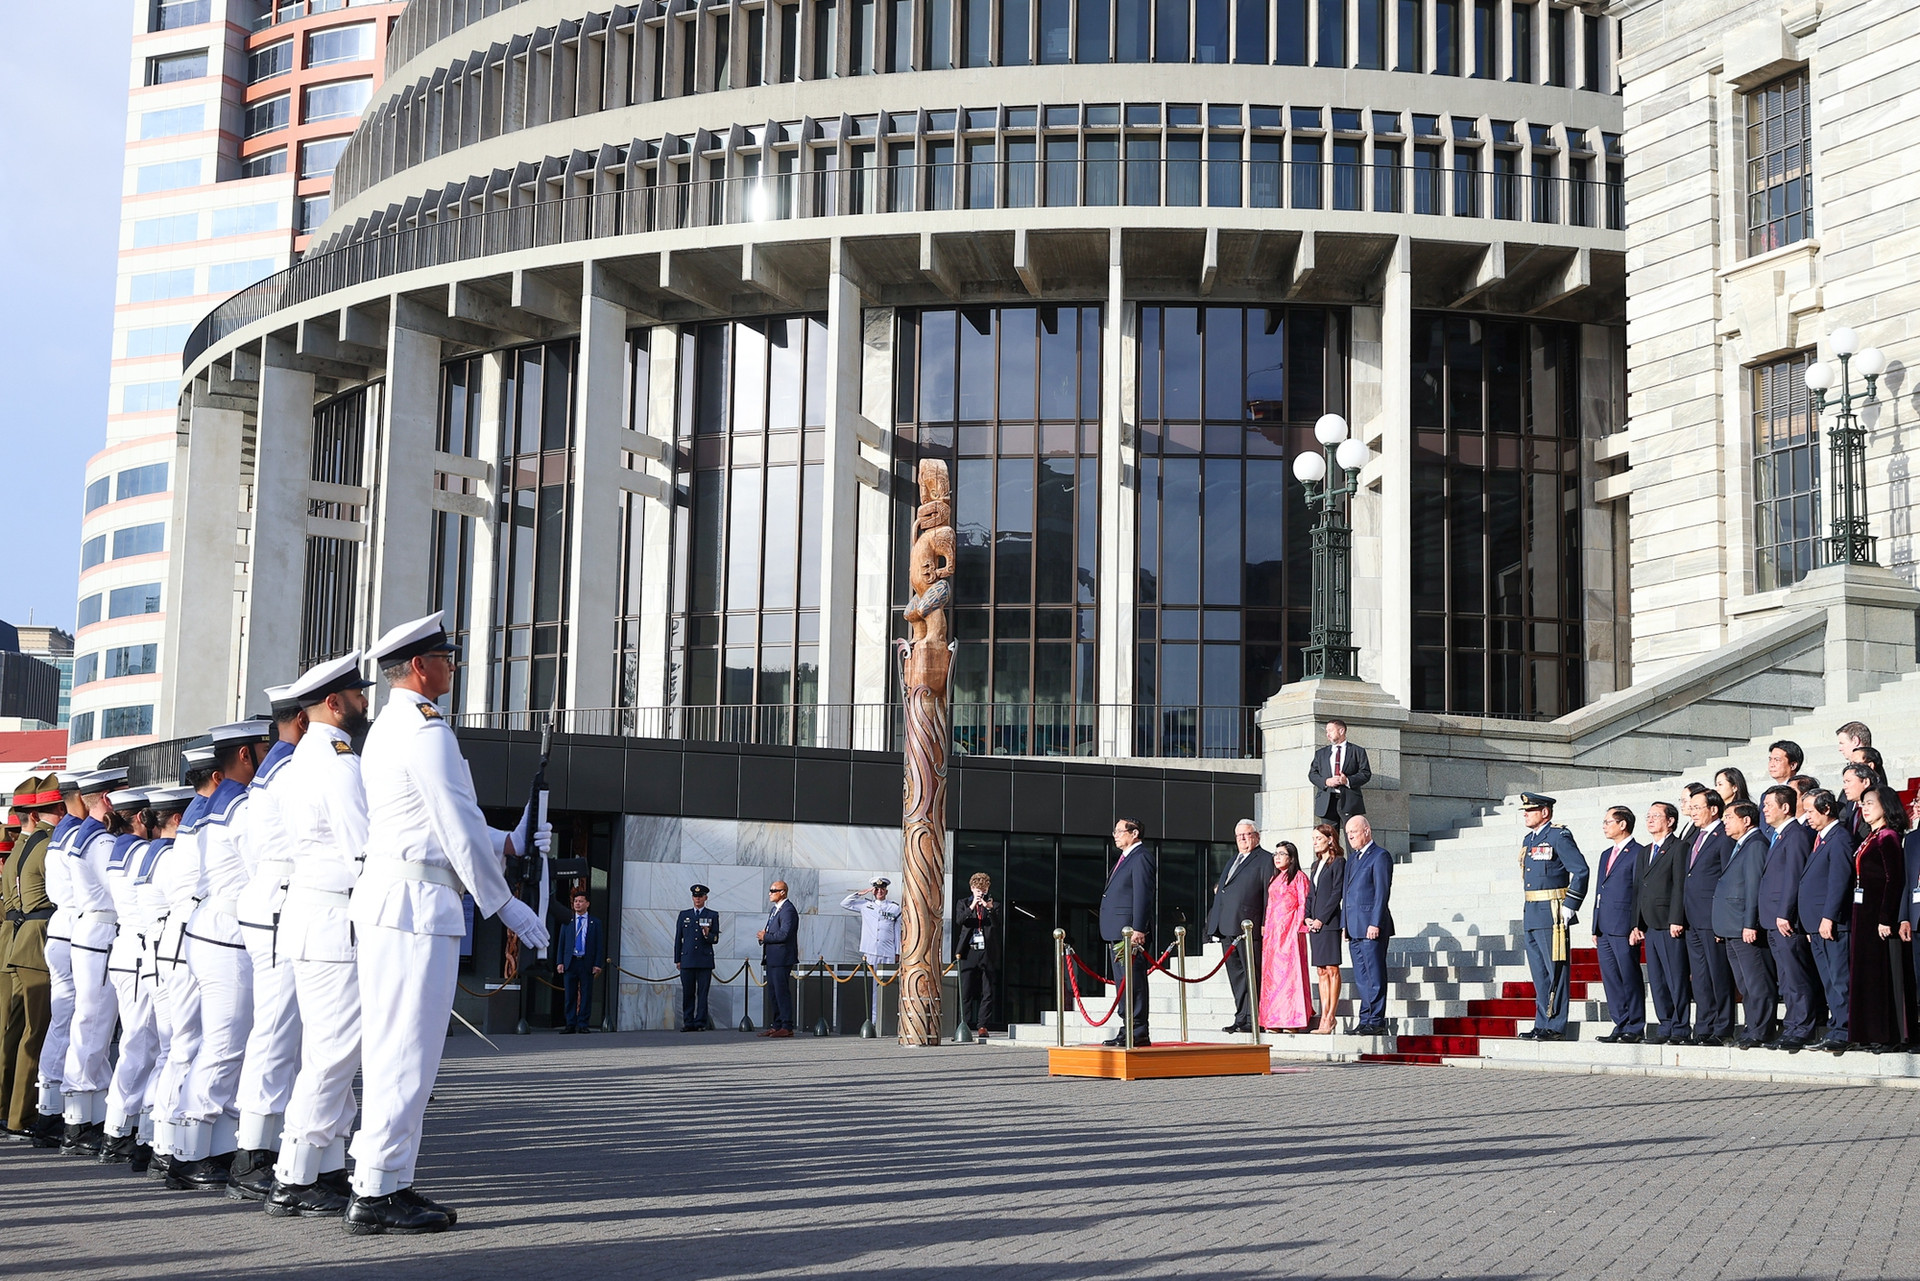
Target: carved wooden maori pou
[(925, 660)]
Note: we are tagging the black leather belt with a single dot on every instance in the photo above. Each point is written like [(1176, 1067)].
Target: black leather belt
[(43, 914)]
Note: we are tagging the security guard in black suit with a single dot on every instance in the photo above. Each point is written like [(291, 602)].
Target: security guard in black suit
[(1555, 875), (694, 935)]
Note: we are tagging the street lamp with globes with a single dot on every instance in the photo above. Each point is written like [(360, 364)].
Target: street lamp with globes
[(1330, 650), (1850, 542)]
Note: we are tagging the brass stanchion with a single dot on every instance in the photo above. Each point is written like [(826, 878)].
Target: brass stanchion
[(1247, 960), (1180, 960), (1060, 986), (1124, 950)]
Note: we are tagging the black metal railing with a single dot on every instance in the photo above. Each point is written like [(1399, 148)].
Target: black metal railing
[(979, 729), (916, 188)]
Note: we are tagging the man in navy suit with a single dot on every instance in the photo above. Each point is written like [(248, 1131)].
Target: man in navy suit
[(1368, 922), (1660, 879), (1780, 917), (1126, 913), (1706, 955), (779, 953), (1615, 917), (578, 953), (1826, 911), (1736, 920)]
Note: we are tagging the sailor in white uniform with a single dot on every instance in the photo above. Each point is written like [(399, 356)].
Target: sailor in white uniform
[(139, 1040), (53, 1050), (879, 933), (167, 806), (428, 842), (273, 1044), (325, 809), (89, 1067), (222, 970), (173, 887)]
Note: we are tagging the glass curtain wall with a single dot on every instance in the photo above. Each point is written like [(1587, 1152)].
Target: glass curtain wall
[(330, 595), (752, 423), (1496, 588), (452, 533), (1228, 395), (1010, 397), (1059, 879), (536, 509)]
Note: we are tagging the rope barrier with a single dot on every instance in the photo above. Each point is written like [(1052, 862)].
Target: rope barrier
[(1082, 1005), (1204, 977)]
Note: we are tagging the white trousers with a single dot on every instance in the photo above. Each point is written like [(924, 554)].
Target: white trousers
[(177, 1005), (273, 1045), (53, 1050), (139, 1053), (406, 996), (320, 1112), (224, 976), (89, 1067)]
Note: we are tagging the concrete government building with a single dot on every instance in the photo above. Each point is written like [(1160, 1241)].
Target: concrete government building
[(628, 324)]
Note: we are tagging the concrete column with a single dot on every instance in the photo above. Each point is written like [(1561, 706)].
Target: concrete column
[(1391, 665), (656, 535), (875, 584), (402, 531), (838, 570), (593, 596), (1117, 589), (1366, 416), (283, 463), (478, 658), (200, 573)]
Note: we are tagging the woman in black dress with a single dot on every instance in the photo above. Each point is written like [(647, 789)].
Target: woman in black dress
[(1323, 919), (1881, 1006)]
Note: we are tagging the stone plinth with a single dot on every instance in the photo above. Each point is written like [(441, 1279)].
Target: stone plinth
[(1293, 727), (1870, 625)]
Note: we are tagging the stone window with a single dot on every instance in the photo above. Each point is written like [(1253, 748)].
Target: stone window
[(1786, 473), (1779, 164)]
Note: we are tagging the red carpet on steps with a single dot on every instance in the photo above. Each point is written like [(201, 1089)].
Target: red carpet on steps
[(1500, 1018)]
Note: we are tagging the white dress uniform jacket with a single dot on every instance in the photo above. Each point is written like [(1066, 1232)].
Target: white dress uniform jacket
[(325, 807), (879, 925)]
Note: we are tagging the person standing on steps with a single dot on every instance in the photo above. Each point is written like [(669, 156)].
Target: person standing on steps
[(1339, 771), (1826, 912), (1706, 955), (1366, 917), (1780, 918), (1737, 922), (1241, 895), (1126, 915), (1554, 874), (1615, 905), (1323, 919), (1660, 880)]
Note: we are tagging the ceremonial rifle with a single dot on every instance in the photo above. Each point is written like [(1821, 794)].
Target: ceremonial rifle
[(527, 869)]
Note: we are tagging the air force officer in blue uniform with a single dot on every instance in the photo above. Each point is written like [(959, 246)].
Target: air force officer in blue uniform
[(1555, 875), (694, 935)]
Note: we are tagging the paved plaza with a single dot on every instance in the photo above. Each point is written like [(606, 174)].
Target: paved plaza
[(722, 1156)]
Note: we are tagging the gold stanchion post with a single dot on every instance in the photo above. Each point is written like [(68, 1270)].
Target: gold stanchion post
[(1124, 950), (1180, 960), (1248, 967), (1060, 985)]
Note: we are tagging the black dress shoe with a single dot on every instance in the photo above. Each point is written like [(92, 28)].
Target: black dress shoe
[(47, 1131), (1791, 1044), (425, 1202), (159, 1165), (251, 1177), (690, 1028), (1114, 1042), (1610, 1038), (1834, 1045), (566, 1031), (1629, 1038), (209, 1175), (1654, 1038), (1236, 1027), (376, 1215), (305, 1201), (1542, 1034), (119, 1150), (141, 1160), (87, 1140)]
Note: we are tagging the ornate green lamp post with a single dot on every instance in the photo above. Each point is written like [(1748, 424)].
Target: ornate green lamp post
[(1330, 653), (1850, 542)]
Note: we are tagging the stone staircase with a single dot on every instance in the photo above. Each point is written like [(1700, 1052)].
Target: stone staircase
[(1459, 990)]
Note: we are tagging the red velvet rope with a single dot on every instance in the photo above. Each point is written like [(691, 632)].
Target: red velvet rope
[(1082, 1005), (1159, 965)]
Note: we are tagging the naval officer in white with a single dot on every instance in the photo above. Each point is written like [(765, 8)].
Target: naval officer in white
[(428, 841)]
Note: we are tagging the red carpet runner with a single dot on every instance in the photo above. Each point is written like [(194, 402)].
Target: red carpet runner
[(1498, 1019)]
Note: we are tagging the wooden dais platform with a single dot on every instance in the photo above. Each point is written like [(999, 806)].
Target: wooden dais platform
[(1163, 1059)]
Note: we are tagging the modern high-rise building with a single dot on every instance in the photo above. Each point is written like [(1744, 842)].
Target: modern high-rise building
[(51, 645), (631, 322), (237, 113)]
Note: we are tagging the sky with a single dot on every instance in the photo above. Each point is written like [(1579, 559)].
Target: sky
[(63, 96)]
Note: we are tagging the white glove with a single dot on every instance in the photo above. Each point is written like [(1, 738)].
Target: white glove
[(525, 922), (542, 835)]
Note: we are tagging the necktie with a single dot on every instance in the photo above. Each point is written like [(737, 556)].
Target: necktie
[(1237, 860), (1698, 841), (579, 936), (1610, 858), (1336, 757)]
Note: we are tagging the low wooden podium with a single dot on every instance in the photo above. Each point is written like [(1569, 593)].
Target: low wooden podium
[(1160, 1060)]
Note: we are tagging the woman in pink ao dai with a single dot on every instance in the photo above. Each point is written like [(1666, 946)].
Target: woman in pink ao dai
[(1285, 1003)]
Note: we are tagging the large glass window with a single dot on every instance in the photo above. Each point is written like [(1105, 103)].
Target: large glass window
[(752, 419), (124, 602), (1010, 398), (318, 159), (126, 722), (149, 233), (452, 533), (80, 729), (536, 512), (1779, 164), (99, 494), (89, 610), (337, 101), (330, 588), (135, 481), (156, 286), (174, 67), (139, 540), (156, 340), (267, 115), (340, 44), (86, 669), (130, 660), (172, 121), (171, 15), (1227, 396), (1496, 583), (270, 61), (1786, 473)]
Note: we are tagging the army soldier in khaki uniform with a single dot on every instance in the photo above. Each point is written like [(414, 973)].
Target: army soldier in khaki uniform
[(10, 839), (30, 1011)]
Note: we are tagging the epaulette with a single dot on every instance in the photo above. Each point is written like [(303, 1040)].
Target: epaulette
[(342, 749), (429, 711)]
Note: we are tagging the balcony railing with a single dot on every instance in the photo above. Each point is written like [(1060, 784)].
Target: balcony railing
[(979, 729), (918, 188)]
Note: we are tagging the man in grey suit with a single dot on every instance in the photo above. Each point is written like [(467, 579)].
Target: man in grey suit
[(1339, 771), (1241, 895), (1126, 913)]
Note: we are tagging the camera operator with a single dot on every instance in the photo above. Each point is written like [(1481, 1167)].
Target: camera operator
[(974, 926)]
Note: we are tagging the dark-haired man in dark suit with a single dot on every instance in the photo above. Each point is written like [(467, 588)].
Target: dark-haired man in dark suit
[(1736, 921), (1660, 880), (1780, 917), (1126, 914), (1706, 955), (1339, 770), (1615, 916), (579, 949)]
